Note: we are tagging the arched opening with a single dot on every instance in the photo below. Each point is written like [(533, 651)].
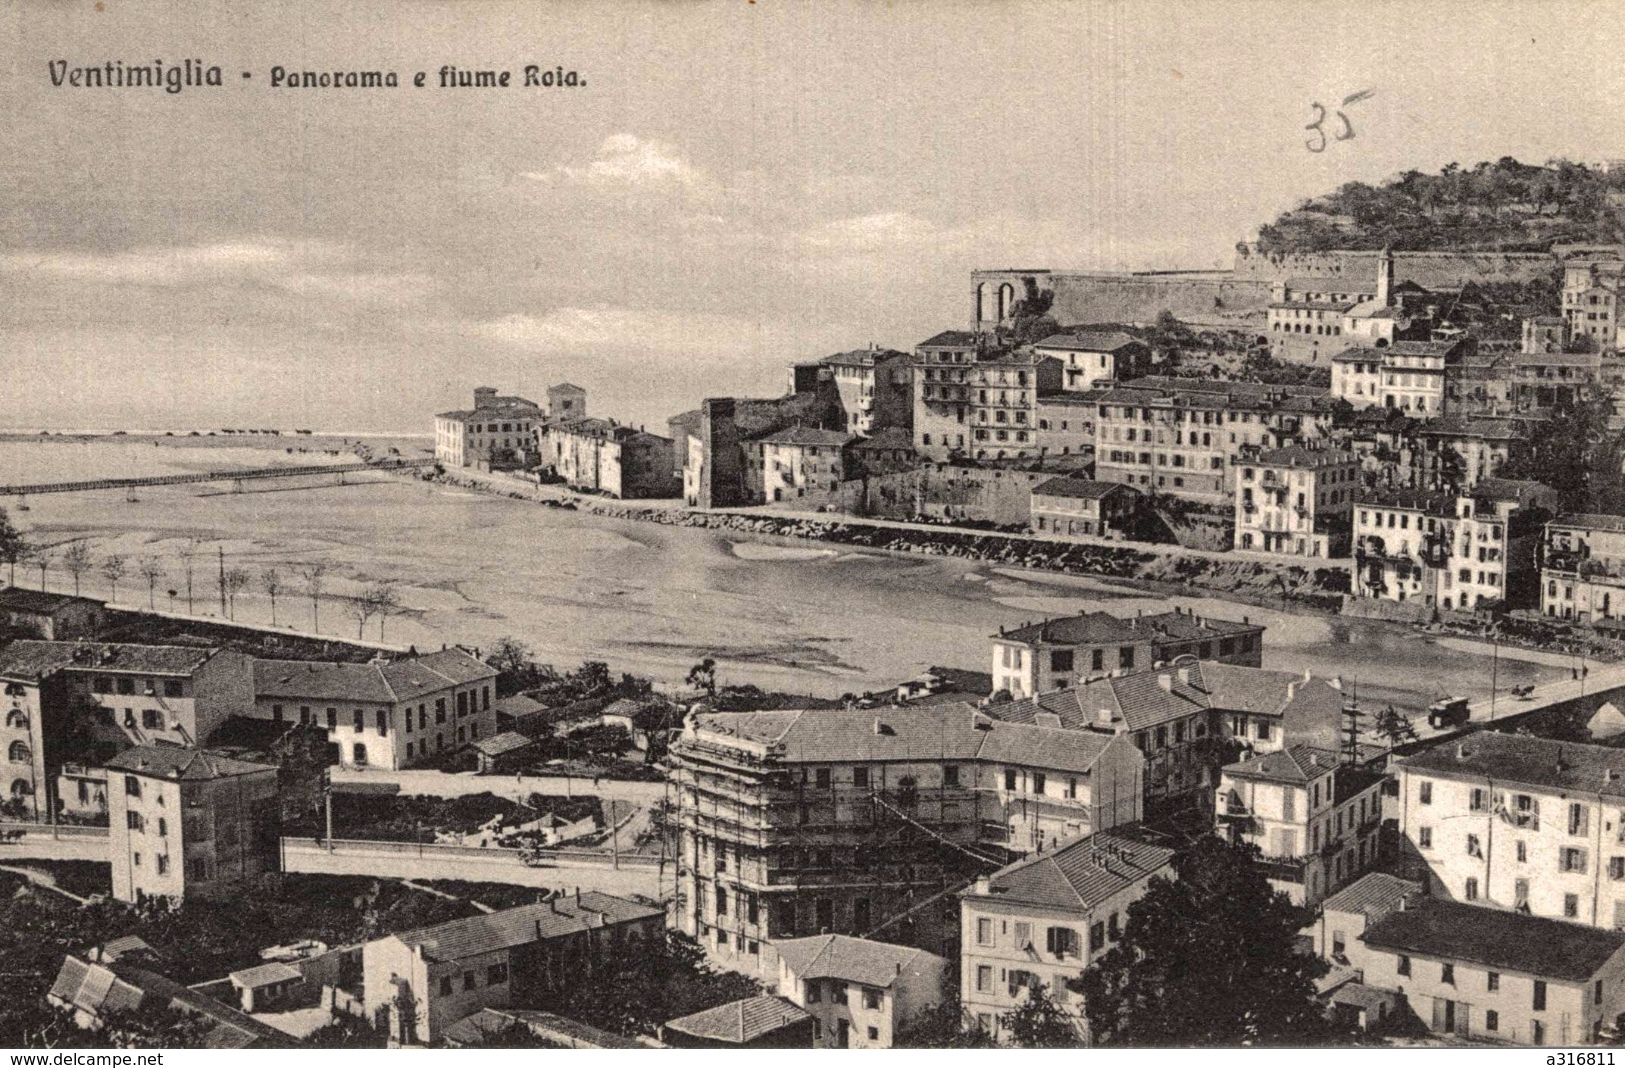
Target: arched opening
[(1007, 300), (983, 310), (19, 754), (21, 788)]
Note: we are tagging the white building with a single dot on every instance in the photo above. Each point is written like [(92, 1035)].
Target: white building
[(497, 429), (1296, 501), (860, 993)]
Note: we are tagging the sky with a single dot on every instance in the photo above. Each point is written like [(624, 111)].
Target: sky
[(737, 186)]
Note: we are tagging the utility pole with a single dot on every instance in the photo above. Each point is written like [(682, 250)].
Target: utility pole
[(327, 799), (614, 838)]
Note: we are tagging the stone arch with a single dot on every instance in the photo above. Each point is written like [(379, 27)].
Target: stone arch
[(1007, 300), (983, 305)]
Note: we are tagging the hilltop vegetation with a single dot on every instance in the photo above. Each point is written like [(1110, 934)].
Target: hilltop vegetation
[(1505, 206)]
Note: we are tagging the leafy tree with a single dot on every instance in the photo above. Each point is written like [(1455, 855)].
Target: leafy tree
[(639, 986), (703, 676), (945, 1026), (347, 1032), (13, 547), (76, 560), (1208, 959), (514, 1035), (113, 569), (385, 601), (233, 580), (1576, 454), (1394, 725), (1039, 1023)]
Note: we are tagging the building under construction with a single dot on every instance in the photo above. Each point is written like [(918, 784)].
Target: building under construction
[(863, 821)]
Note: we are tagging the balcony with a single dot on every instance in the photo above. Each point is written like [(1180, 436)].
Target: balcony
[(1284, 869)]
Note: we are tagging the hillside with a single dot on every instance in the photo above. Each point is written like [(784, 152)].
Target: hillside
[(1505, 206)]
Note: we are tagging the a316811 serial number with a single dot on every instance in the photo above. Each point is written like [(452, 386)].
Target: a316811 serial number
[(1580, 1059)]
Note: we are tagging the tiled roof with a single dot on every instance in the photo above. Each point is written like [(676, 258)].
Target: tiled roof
[(102, 989), (910, 732), (19, 599), (1433, 502), (954, 339), (1298, 763), (1518, 759), (1579, 520), (456, 939), (738, 1022), (1081, 873), (506, 742), (806, 435), (1078, 488), (1374, 895), (518, 705), (1498, 939), (33, 659), (1511, 489), (1314, 305), (565, 387), (376, 683), (506, 407), (861, 357), (174, 762), (852, 960), (1330, 283), (1260, 691), (891, 437), (489, 1023), (1089, 341), (1300, 457), (264, 975), (1091, 628)]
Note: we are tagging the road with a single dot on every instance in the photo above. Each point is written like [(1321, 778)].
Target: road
[(514, 787), (495, 865)]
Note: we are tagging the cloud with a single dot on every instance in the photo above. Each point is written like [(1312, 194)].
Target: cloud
[(626, 161), (604, 328)]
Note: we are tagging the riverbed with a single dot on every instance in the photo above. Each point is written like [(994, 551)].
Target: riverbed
[(646, 598)]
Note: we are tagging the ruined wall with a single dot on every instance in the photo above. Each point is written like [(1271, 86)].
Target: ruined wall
[(942, 491), (1430, 270), (728, 476)]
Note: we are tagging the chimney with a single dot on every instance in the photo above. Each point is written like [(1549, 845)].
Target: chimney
[(1461, 750), (1166, 682), (1292, 689), (1186, 675), (1103, 716)]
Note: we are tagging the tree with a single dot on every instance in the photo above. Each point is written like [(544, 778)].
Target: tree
[(1576, 454), (13, 547), (188, 554), (943, 1026), (271, 583), (1208, 959), (378, 599), (1039, 1023), (1394, 725), (113, 569), (314, 576), (150, 569), (640, 985), (703, 676), (76, 559), (233, 580), (40, 557)]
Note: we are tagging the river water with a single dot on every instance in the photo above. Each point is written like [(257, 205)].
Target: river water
[(647, 598)]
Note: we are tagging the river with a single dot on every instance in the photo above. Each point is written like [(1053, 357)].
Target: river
[(646, 598)]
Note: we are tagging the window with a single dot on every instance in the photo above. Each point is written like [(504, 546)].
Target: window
[(1577, 818), (837, 993), (860, 777), (360, 721), (1523, 852), (134, 821), (1571, 906), (1125, 656), (874, 1034), (163, 863), (126, 686), (1572, 860), (1492, 981), (151, 719), (1424, 793), (332, 719), (383, 721), (1097, 936), (1616, 868), (132, 786), (1404, 965), (984, 931), (1470, 892), (445, 984), (1010, 780), (821, 778), (172, 687), (871, 1000), (1424, 837), (1447, 974), (1060, 660), (815, 991), (1473, 847), (1492, 1020), (358, 754), (1540, 995), (950, 775), (1061, 942), (1024, 935), (1477, 803), (1038, 782), (496, 974)]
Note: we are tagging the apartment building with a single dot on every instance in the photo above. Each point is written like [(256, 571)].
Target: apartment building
[(1582, 568), (1066, 422), (860, 993), (421, 982), (1591, 296), (185, 822), (801, 460), (1433, 548), (1040, 657), (1296, 501), (123, 695), (944, 381), (1465, 449), (1073, 507), (1407, 376), (875, 387), (1090, 358), (836, 821), (1184, 436), (1045, 919), (1004, 400), (1521, 823), (1492, 976), (1315, 817), (601, 456), (385, 713), (498, 429)]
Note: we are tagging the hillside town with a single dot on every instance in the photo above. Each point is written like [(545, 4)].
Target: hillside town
[(1114, 829)]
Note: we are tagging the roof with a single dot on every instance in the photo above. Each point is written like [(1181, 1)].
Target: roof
[(489, 932), (486, 1023), (511, 407), (1597, 770), (909, 732), (861, 357), (1330, 283), (173, 762), (506, 742), (806, 435), (852, 960), (891, 437), (34, 659), (376, 682), (1498, 939), (565, 387), (742, 1021), (1434, 502), (1511, 489), (1090, 341), (1579, 520), (264, 975), (1080, 488), (1373, 895), (951, 339), (102, 989), (1298, 456), (1091, 628), (1080, 873), (19, 599)]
